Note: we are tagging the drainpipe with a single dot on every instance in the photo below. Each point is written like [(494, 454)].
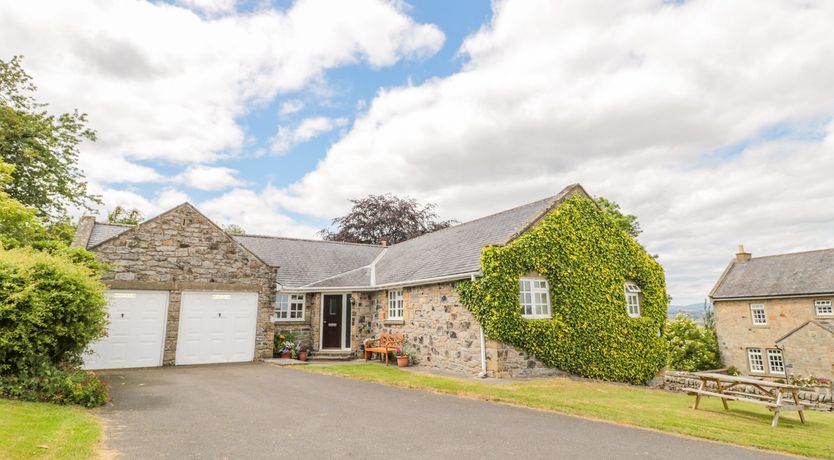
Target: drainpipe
[(483, 373)]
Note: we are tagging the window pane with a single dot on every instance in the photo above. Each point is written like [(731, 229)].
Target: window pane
[(774, 360)]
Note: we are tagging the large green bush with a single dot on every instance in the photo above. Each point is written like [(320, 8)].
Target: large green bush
[(586, 259), (50, 308), (691, 347)]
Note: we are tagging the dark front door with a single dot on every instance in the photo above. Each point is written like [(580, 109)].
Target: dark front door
[(331, 322)]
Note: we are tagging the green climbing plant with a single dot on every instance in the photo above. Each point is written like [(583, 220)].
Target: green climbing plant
[(586, 260)]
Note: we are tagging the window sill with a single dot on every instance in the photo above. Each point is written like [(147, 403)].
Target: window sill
[(393, 322), (283, 320), (536, 317)]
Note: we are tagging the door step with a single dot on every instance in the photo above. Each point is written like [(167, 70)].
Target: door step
[(328, 355)]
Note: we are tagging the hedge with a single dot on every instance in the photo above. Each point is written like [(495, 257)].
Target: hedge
[(586, 260), (51, 307)]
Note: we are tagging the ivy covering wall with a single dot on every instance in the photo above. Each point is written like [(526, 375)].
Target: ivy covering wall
[(586, 260)]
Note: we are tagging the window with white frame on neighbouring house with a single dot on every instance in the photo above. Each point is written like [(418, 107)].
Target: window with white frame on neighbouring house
[(774, 361), (289, 307), (754, 356), (632, 295), (535, 298), (757, 313), (824, 308), (395, 304)]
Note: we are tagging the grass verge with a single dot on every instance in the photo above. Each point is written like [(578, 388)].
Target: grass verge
[(744, 424), (46, 431)]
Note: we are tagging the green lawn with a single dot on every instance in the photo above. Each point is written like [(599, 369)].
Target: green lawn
[(63, 432), (744, 424)]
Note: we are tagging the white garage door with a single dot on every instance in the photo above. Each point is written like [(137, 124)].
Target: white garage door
[(135, 333), (217, 327)]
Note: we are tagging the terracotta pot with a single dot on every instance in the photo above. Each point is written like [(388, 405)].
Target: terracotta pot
[(286, 355), (302, 356), (402, 361)]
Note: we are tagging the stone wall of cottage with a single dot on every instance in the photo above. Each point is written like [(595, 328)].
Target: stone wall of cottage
[(737, 333), (182, 250), (810, 351), (441, 333)]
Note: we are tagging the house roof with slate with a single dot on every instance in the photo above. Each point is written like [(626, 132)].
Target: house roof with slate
[(826, 324), (785, 275), (448, 254), (103, 232)]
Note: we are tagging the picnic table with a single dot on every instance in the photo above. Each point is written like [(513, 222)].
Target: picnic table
[(773, 394)]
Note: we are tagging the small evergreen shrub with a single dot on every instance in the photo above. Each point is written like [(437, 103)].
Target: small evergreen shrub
[(586, 259), (44, 382)]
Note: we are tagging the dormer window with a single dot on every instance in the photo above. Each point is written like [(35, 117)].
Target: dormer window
[(535, 298), (632, 295)]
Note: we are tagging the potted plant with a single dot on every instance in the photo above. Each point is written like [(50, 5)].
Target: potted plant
[(402, 356), (286, 351), (302, 354)]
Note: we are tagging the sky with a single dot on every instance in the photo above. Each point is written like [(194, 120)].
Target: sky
[(712, 121)]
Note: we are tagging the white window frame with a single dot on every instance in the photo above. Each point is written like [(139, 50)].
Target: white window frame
[(290, 307), (823, 308), (757, 367), (395, 304), (758, 321), (534, 296), (775, 355), (632, 295)]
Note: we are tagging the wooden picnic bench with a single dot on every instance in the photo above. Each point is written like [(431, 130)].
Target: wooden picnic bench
[(384, 345), (772, 393)]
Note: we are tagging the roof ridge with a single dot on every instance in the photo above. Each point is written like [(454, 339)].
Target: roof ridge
[(478, 219), (793, 253), (310, 240), (115, 224)]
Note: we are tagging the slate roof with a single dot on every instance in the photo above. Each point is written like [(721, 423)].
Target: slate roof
[(452, 253), (303, 262), (825, 324), (102, 232), (782, 275)]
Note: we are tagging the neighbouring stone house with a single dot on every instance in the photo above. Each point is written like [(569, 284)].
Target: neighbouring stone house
[(774, 314), (216, 297)]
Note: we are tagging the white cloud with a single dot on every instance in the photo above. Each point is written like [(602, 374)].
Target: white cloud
[(209, 7), (209, 177), (256, 213), (163, 83), (164, 200), (290, 107), (668, 109), (307, 129)]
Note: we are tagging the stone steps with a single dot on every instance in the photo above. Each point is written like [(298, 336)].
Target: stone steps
[(330, 356)]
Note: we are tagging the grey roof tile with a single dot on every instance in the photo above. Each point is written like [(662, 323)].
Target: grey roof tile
[(809, 272), (103, 232), (303, 262)]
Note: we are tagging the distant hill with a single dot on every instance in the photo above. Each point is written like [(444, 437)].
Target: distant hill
[(694, 311)]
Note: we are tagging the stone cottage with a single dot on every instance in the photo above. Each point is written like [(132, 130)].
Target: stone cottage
[(183, 291), (774, 314)]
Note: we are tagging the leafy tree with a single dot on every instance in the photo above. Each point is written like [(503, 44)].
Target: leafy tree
[(387, 218), (709, 316), (234, 229), (691, 347), (19, 225), (627, 222), (120, 215), (43, 147)]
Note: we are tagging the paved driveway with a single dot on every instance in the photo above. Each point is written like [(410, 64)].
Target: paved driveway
[(262, 411)]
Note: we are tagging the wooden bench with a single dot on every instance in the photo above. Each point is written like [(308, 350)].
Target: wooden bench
[(772, 393), (384, 345)]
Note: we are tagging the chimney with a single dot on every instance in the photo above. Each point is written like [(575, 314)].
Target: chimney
[(741, 256), (83, 231), (383, 242)]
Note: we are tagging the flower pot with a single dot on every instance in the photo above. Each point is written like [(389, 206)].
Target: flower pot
[(285, 355), (402, 361), (302, 356)]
